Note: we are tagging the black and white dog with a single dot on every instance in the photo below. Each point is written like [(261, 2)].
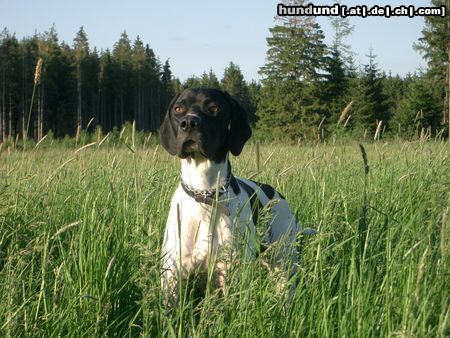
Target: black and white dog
[(213, 214)]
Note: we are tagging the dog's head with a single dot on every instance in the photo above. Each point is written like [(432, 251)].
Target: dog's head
[(205, 121)]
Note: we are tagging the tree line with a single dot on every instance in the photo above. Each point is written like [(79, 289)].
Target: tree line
[(48, 86), (313, 90), (309, 90)]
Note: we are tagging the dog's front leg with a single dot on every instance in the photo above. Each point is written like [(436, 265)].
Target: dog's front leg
[(170, 254)]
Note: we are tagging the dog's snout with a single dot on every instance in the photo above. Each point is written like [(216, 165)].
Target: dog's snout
[(189, 123)]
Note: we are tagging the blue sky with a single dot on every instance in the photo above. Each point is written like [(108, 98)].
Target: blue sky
[(201, 34)]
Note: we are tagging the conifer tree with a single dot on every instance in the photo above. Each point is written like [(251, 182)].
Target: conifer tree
[(290, 99), (233, 82), (435, 47), (254, 92), (338, 68), (122, 56), (210, 80), (167, 90), (9, 83), (192, 82), (369, 100), (138, 64), (417, 110), (81, 49), (295, 49)]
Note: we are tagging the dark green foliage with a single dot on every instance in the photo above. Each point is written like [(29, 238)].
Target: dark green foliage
[(291, 102), (192, 82), (309, 91), (79, 86), (210, 80), (336, 87), (167, 88), (418, 109), (434, 45), (294, 53), (369, 100), (233, 82), (288, 111), (394, 88), (254, 90)]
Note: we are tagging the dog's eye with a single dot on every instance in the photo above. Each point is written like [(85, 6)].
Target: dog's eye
[(178, 109), (214, 109)]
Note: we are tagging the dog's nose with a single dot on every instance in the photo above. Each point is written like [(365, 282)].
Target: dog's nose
[(189, 123)]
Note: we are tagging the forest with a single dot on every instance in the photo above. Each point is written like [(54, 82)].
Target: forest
[(308, 90)]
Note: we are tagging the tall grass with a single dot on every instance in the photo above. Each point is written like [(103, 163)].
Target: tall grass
[(80, 234)]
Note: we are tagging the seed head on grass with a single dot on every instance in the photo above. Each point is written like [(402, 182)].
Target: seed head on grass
[(38, 71), (344, 112), (65, 228), (364, 156), (110, 267)]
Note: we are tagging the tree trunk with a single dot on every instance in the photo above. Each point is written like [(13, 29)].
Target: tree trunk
[(79, 95), (24, 96), (121, 111), (3, 109), (40, 115), (10, 119)]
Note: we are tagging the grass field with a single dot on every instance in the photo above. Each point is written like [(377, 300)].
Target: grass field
[(80, 234)]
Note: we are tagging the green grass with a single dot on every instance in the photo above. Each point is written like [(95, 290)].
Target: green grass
[(80, 234)]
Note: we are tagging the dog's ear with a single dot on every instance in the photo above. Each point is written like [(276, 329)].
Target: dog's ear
[(239, 130), (168, 131)]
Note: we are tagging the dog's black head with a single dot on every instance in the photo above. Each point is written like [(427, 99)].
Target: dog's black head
[(206, 121)]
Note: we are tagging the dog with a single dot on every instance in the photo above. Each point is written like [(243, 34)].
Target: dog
[(213, 214)]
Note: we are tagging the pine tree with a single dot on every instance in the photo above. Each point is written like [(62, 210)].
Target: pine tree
[(138, 64), (291, 95), (106, 90), (417, 110), (369, 100), (287, 111), (47, 93), (154, 90), (91, 87), (338, 68), (435, 47), (210, 80), (394, 90), (192, 82), (233, 82), (295, 49), (342, 29), (61, 93), (9, 85), (122, 56), (29, 50), (254, 93), (167, 89), (177, 85), (81, 51)]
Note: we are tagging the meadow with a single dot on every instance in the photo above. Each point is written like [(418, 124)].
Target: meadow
[(81, 230)]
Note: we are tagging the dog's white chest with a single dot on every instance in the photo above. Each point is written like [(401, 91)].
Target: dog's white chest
[(202, 232)]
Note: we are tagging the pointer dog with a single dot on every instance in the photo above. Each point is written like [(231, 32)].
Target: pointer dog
[(213, 214)]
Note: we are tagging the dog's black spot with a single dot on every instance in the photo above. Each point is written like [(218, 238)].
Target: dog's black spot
[(234, 185), (255, 203), (268, 190)]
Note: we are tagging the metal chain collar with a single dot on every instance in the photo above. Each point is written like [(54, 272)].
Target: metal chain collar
[(208, 192)]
